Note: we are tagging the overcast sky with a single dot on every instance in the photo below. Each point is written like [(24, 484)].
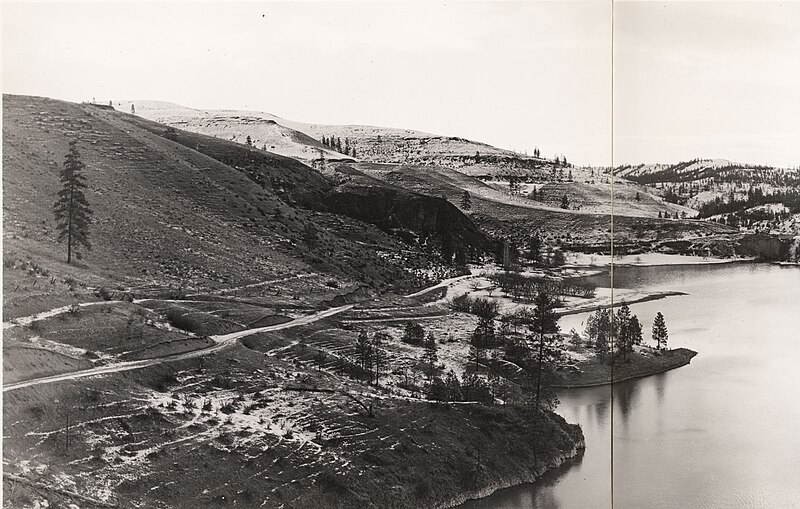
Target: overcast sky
[(691, 80), (708, 79)]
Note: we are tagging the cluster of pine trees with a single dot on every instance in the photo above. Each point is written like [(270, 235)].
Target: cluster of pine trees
[(335, 143), (666, 215), (538, 352), (617, 333)]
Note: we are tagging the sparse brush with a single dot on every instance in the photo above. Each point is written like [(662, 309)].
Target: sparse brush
[(228, 408), (181, 319)]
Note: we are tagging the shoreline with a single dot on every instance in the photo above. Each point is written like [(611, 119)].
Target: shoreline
[(677, 358), (523, 478), (594, 307), (711, 261)]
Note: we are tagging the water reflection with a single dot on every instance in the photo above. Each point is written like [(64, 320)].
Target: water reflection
[(720, 432), (625, 397), (601, 412), (659, 382)]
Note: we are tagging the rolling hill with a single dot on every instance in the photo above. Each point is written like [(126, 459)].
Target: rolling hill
[(303, 140), (179, 209)]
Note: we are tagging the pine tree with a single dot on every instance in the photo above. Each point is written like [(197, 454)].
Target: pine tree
[(565, 202), (431, 358), (364, 353), (636, 330), (453, 386), (534, 248), (544, 323), (414, 334), (72, 211), (380, 360), (660, 334), (476, 354), (601, 329), (354, 152), (133, 110), (624, 332), (339, 145), (466, 200)]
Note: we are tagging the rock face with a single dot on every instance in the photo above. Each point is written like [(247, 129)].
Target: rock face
[(426, 217), (767, 247), (763, 247)]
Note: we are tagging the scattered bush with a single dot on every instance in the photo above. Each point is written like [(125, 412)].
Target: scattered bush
[(413, 334)]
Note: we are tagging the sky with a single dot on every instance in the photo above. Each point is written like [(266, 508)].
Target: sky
[(707, 79), (689, 79)]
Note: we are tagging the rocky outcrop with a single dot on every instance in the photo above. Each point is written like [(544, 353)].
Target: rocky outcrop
[(763, 247), (767, 247), (429, 219)]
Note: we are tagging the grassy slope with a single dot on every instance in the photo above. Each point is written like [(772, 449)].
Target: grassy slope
[(168, 214), (236, 220), (500, 214), (143, 437)]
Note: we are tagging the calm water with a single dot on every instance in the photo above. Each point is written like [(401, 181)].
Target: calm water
[(723, 432)]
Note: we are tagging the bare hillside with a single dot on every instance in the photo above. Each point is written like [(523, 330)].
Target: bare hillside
[(182, 210), (303, 140)]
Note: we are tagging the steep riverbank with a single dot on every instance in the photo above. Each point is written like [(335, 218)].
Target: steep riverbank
[(645, 362), (561, 460)]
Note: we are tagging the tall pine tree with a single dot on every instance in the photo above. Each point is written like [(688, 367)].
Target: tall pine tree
[(430, 356), (466, 200), (660, 334), (544, 324), (72, 211)]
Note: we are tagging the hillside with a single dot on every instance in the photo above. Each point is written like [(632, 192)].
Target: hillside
[(371, 143), (177, 209), (720, 170), (757, 198), (586, 226), (203, 353)]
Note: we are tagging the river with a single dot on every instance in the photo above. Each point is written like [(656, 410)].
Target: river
[(722, 432)]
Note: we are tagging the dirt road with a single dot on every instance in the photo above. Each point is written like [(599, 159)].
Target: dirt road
[(220, 343)]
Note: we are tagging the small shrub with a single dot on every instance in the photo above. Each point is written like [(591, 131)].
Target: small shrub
[(462, 303)]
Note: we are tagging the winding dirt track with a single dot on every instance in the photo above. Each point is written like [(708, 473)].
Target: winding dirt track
[(221, 342)]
